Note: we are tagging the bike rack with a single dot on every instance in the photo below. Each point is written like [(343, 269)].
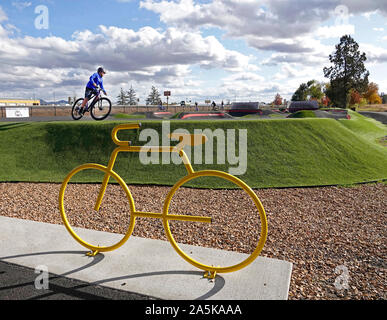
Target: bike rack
[(165, 216)]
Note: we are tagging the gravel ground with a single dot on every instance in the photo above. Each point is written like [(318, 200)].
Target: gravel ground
[(335, 237)]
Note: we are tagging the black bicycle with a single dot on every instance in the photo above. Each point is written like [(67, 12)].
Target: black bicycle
[(100, 107)]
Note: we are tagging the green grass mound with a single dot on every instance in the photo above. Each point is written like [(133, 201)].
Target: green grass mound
[(303, 114), (366, 128), (129, 116), (280, 153)]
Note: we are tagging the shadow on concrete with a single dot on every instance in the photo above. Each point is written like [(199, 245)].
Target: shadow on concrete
[(26, 290), (219, 281), (95, 260), (62, 287)]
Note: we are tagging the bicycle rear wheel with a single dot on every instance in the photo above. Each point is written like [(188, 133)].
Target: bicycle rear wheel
[(232, 234), (75, 110), (101, 109), (77, 207)]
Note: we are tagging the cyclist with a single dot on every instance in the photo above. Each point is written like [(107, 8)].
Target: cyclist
[(95, 82)]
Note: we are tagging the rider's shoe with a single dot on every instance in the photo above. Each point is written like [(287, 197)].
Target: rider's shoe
[(81, 111)]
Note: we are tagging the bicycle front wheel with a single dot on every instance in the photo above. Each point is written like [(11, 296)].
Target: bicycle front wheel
[(101, 109), (82, 218), (75, 114), (238, 221)]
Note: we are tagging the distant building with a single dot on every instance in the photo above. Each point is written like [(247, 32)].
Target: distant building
[(18, 102)]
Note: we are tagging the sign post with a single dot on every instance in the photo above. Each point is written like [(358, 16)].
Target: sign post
[(167, 94)]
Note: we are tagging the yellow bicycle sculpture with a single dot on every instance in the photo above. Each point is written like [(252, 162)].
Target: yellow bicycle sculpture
[(125, 146)]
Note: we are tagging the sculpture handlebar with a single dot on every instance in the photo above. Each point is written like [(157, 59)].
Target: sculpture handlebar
[(125, 126)]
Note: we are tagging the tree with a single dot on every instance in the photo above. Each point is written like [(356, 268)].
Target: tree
[(315, 90), (363, 102), (325, 101), (355, 97), (372, 89), (372, 95), (154, 97), (310, 90), (131, 96), (348, 71), (301, 93), (121, 98), (278, 100), (375, 99)]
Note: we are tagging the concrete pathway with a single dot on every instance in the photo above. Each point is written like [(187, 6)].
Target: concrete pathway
[(143, 266)]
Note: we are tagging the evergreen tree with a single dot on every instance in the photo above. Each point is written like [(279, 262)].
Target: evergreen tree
[(154, 97), (131, 96), (121, 98), (348, 71)]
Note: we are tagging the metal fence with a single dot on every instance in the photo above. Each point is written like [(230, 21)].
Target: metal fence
[(53, 111)]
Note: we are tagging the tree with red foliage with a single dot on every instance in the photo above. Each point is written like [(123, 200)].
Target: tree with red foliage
[(277, 100), (325, 101), (355, 97)]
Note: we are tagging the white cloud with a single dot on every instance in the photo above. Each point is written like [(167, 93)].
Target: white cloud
[(144, 56), (21, 5), (242, 17), (272, 25), (290, 33), (335, 31), (244, 77), (369, 14), (11, 28), (316, 54), (3, 16), (286, 72), (122, 49), (375, 54)]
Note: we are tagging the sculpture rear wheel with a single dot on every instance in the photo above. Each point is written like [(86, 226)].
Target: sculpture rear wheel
[(185, 251), (89, 212)]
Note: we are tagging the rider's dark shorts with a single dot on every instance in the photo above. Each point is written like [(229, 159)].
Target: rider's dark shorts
[(89, 92)]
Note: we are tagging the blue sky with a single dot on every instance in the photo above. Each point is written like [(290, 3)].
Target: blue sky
[(230, 50), (68, 16)]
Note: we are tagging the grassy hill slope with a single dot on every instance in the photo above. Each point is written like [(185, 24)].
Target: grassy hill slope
[(280, 153)]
